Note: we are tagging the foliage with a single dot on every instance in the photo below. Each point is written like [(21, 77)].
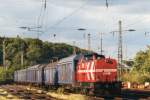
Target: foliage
[(140, 72), (128, 63), (1, 57), (34, 51), (6, 75)]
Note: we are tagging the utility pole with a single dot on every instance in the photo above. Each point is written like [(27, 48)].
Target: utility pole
[(89, 41), (21, 51), (126, 53), (101, 43), (84, 36), (4, 54), (120, 54), (22, 54), (120, 50), (84, 41), (106, 3), (45, 4)]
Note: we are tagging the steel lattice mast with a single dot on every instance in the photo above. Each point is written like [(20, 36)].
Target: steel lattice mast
[(120, 51)]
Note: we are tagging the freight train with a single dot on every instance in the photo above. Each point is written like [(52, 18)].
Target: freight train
[(89, 74)]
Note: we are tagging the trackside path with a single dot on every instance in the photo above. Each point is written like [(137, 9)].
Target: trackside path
[(21, 92)]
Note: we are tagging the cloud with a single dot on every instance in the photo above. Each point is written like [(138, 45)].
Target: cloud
[(90, 14)]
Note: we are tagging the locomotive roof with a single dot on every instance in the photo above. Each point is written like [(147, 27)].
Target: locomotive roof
[(91, 54), (88, 55)]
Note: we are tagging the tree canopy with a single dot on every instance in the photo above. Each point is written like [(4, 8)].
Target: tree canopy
[(140, 71), (34, 51)]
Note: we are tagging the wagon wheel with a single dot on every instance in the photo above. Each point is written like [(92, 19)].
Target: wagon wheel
[(76, 90), (60, 90), (106, 93)]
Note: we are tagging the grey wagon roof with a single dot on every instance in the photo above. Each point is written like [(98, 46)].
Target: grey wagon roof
[(37, 66), (67, 59)]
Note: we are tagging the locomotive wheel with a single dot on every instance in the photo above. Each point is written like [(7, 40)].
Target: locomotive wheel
[(106, 93), (84, 91)]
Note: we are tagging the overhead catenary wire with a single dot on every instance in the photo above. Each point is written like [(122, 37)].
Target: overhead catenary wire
[(43, 13), (138, 21), (69, 15), (41, 17)]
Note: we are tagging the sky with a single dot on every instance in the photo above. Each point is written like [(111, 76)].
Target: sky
[(65, 17)]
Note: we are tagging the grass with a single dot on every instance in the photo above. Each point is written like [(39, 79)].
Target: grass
[(67, 96)]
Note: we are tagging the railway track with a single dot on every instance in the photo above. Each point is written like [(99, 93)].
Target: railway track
[(136, 94), (17, 92), (128, 94), (22, 93)]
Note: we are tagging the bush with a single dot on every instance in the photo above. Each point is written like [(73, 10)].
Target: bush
[(144, 78), (6, 76), (136, 77)]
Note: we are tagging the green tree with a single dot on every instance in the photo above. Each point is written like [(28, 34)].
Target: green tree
[(35, 52), (140, 72), (140, 59), (1, 57)]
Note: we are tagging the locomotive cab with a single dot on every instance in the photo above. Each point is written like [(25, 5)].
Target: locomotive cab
[(97, 72)]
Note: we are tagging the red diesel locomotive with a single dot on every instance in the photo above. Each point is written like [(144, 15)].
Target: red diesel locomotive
[(95, 73)]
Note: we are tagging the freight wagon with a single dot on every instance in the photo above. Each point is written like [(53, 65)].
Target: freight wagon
[(51, 75), (20, 76)]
